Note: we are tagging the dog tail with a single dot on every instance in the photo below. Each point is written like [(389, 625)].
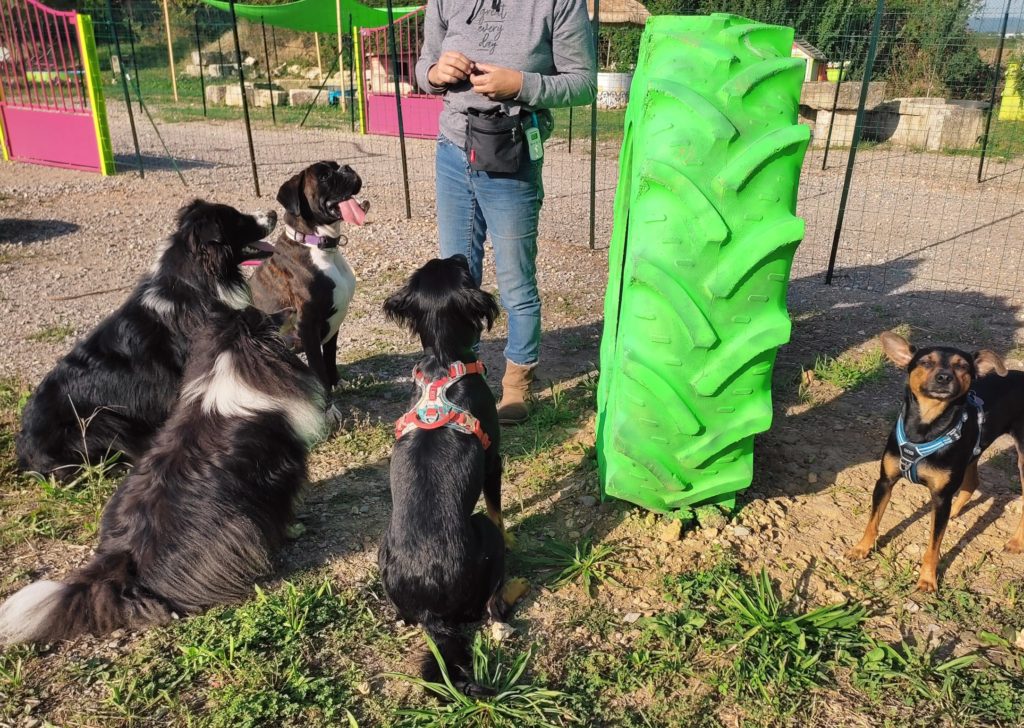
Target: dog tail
[(453, 647), (101, 597)]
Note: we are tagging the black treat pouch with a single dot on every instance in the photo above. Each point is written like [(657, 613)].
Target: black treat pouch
[(494, 142)]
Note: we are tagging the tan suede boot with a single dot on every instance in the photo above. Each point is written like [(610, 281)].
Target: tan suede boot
[(515, 393)]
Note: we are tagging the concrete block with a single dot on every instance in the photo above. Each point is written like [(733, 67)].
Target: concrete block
[(233, 97), (216, 95), (819, 95), (263, 97), (929, 123), (304, 96)]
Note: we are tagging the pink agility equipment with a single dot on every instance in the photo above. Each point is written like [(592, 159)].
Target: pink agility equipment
[(420, 110), (51, 109)]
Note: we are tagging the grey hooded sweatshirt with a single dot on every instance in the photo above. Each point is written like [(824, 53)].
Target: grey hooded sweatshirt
[(550, 41)]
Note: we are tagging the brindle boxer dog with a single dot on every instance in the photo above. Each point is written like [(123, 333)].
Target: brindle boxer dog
[(308, 271)]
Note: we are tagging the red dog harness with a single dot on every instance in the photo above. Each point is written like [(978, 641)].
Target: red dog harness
[(435, 410)]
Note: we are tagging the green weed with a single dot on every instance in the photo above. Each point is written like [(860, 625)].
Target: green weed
[(581, 562), (850, 371), (52, 334), (286, 658), (515, 702), (68, 510)]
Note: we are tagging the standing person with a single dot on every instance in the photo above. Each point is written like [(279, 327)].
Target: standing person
[(501, 65)]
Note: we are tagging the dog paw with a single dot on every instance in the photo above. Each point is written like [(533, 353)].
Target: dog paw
[(927, 585), (858, 552), (295, 530), (514, 590), (1015, 545)]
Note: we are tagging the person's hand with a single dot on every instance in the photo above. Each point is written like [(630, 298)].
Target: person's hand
[(495, 82), (451, 68)]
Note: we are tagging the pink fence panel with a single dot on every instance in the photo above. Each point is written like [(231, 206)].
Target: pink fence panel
[(420, 111)]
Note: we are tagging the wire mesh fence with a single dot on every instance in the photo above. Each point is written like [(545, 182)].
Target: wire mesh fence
[(914, 179)]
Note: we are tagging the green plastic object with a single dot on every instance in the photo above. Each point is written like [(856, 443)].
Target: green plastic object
[(701, 251), (315, 16)]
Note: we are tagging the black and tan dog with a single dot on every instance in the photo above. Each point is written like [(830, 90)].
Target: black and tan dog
[(443, 566), (308, 271), (956, 405)]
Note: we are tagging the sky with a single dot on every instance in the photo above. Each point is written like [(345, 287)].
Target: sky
[(996, 7)]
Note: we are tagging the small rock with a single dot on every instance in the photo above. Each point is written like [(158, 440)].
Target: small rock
[(812, 478), (363, 688), (501, 631), (912, 607), (741, 532), (588, 501), (672, 531), (631, 617), (1020, 640)]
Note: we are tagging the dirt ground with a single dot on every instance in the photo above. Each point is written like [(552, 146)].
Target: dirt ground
[(71, 244)]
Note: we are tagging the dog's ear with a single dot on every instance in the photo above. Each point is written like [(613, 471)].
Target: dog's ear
[(402, 308), (988, 362), (283, 317), (333, 165), (201, 228), (290, 194), (898, 349), (481, 306), (283, 320)]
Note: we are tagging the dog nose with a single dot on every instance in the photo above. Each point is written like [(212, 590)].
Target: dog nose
[(943, 377)]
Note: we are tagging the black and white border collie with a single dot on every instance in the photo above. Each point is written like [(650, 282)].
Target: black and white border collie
[(196, 522), (116, 387)]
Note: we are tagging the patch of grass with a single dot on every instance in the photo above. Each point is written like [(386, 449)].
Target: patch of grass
[(582, 562), (850, 371), (516, 702), (66, 511), (292, 656), (552, 420), (359, 442), (52, 333), (966, 690)]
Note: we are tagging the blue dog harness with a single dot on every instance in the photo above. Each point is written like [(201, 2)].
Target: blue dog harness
[(912, 453)]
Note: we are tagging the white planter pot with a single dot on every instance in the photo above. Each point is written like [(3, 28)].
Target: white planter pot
[(613, 90)]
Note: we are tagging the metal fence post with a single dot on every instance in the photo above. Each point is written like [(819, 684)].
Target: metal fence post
[(857, 130), (270, 80), (995, 83), (593, 135), (398, 106), (199, 51), (135, 62), (570, 130), (351, 79), (835, 97), (124, 87), (245, 101)]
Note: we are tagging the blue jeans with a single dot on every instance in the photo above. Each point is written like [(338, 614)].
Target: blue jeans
[(471, 204)]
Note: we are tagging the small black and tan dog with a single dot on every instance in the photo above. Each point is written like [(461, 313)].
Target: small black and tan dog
[(443, 566), (196, 522), (308, 271), (956, 405)]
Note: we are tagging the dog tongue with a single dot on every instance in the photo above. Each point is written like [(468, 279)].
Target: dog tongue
[(351, 211)]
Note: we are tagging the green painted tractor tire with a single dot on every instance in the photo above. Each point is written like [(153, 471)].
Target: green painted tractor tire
[(701, 251)]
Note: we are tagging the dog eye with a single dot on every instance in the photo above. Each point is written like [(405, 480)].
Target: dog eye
[(927, 364), (325, 176)]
